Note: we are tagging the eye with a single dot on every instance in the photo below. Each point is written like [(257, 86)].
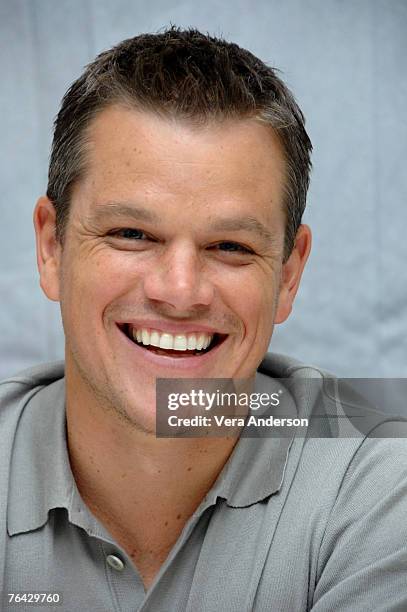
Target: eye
[(233, 247), (129, 233)]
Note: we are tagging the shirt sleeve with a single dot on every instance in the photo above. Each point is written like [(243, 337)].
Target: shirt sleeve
[(362, 562)]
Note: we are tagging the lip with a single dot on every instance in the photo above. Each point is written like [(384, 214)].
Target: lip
[(192, 363), (171, 327)]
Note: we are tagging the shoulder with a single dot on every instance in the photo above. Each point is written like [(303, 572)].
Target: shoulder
[(351, 484), (15, 391), (36, 375), (375, 478), (353, 453)]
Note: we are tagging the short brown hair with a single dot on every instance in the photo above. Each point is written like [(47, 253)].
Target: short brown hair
[(190, 75)]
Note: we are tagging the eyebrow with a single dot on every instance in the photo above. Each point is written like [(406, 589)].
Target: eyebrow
[(119, 209), (140, 213), (247, 224)]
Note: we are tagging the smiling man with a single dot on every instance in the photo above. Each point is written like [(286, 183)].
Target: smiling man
[(175, 233), (171, 236)]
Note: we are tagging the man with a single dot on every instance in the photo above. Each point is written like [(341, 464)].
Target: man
[(171, 235)]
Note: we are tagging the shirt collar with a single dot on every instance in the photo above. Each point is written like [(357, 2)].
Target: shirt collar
[(41, 476), (256, 467)]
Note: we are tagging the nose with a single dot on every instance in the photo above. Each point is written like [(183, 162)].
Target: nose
[(177, 277)]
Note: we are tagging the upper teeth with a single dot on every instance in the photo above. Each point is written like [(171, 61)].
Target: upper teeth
[(177, 342)]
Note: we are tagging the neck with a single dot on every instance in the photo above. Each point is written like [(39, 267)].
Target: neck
[(106, 453), (124, 474)]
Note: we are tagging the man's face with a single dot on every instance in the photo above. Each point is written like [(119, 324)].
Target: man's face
[(177, 231)]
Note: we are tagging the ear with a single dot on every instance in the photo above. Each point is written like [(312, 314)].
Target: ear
[(291, 273), (48, 248)]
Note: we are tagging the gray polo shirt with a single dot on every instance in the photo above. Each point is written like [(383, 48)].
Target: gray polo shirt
[(291, 524)]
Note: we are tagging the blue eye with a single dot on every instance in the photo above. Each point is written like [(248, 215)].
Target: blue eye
[(233, 247), (129, 233)]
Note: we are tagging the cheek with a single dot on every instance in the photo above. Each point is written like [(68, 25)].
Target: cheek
[(100, 279), (257, 299), (86, 288)]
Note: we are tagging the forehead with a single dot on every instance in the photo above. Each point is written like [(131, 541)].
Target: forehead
[(131, 151)]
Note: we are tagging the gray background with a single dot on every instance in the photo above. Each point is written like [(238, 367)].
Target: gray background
[(346, 63)]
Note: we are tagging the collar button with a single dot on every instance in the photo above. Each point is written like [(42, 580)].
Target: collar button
[(115, 562)]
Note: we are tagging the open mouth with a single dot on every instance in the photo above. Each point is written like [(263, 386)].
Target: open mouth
[(172, 345)]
